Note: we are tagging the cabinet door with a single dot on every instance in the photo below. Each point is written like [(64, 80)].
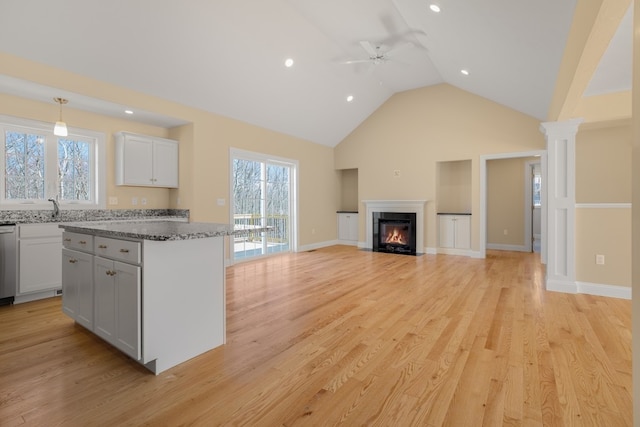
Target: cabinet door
[(137, 161), (40, 264), (127, 284), (463, 232), (343, 226), (105, 299), (117, 304), (348, 226), (353, 227), (165, 163), (447, 231), (77, 286), (69, 284)]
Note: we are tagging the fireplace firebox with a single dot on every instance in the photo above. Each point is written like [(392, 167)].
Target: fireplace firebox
[(394, 232)]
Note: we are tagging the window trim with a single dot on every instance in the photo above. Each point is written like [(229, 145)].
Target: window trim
[(99, 165)]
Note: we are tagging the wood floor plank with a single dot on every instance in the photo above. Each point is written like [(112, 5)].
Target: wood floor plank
[(341, 336)]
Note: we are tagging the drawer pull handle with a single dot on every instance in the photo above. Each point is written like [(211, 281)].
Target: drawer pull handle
[(110, 273), (102, 246), (67, 239), (82, 242), (124, 251), (73, 260)]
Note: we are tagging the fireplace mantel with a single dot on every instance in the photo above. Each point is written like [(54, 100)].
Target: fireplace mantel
[(416, 206)]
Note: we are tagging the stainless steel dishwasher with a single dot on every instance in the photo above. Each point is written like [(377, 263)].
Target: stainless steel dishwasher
[(8, 263)]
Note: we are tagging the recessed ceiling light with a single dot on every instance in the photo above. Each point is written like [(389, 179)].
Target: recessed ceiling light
[(465, 72), (349, 98), (288, 63), (128, 112), (435, 8)]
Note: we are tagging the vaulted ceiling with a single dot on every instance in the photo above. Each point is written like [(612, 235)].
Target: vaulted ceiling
[(228, 57)]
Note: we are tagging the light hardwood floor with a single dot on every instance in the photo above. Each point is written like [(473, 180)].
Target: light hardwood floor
[(340, 336)]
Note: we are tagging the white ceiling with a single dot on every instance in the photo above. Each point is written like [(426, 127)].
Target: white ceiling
[(227, 56)]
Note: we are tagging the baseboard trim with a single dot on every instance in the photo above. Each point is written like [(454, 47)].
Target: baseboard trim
[(455, 251), (501, 247), (613, 291), (562, 286), (598, 289), (320, 245)]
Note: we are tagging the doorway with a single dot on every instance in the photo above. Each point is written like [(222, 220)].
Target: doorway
[(542, 155), (263, 194), (534, 205)]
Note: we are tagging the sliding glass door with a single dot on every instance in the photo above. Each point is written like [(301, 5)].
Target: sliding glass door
[(263, 190)]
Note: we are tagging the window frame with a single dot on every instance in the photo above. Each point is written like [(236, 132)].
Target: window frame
[(98, 162)]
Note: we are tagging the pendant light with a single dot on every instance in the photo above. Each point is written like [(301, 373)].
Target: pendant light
[(61, 127)]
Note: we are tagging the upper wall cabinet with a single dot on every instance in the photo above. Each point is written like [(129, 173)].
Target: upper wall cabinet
[(146, 161)]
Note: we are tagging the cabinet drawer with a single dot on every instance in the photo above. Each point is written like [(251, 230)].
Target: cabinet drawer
[(121, 250), (77, 241)]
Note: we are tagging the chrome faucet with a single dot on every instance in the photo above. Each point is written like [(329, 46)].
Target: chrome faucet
[(56, 208)]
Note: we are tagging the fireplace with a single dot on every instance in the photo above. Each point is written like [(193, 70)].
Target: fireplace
[(395, 206), (394, 232)]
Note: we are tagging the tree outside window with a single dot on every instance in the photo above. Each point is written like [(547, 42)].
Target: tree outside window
[(37, 165)]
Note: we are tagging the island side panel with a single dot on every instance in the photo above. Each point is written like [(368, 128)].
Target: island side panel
[(183, 300)]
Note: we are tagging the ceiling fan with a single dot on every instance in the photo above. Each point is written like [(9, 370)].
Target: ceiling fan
[(376, 55)]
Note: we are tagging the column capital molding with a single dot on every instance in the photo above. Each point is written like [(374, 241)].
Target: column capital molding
[(565, 127)]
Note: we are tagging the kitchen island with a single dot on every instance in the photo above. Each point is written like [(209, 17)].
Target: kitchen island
[(154, 289)]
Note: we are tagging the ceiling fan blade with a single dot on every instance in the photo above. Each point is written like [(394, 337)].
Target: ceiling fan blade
[(398, 49), (357, 61), (371, 50)]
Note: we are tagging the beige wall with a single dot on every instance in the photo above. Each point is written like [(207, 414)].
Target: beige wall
[(416, 129), (603, 175), (349, 190), (603, 164), (506, 186), (453, 186), (603, 232), (204, 149)]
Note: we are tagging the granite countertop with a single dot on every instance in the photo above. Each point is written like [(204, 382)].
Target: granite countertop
[(454, 213), (157, 230), (45, 216)]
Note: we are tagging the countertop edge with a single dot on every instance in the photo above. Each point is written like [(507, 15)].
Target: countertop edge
[(156, 230)]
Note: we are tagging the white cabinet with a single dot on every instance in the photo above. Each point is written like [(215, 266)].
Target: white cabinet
[(146, 161), (455, 231), (102, 282), (77, 286), (117, 304), (348, 227), (39, 254), (136, 305)]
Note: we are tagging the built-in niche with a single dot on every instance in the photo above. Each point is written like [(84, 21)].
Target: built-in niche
[(453, 186), (349, 190)]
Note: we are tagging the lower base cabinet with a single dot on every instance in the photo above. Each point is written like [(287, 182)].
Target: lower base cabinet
[(77, 286), (117, 304), (455, 231), (39, 248), (160, 309)]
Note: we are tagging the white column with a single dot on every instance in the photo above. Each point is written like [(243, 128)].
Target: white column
[(561, 204)]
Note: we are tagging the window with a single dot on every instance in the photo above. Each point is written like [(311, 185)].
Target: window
[(37, 166), (537, 187)]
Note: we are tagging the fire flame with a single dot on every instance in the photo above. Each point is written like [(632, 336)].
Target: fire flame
[(395, 236)]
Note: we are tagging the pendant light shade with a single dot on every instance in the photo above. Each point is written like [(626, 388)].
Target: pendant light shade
[(60, 128)]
